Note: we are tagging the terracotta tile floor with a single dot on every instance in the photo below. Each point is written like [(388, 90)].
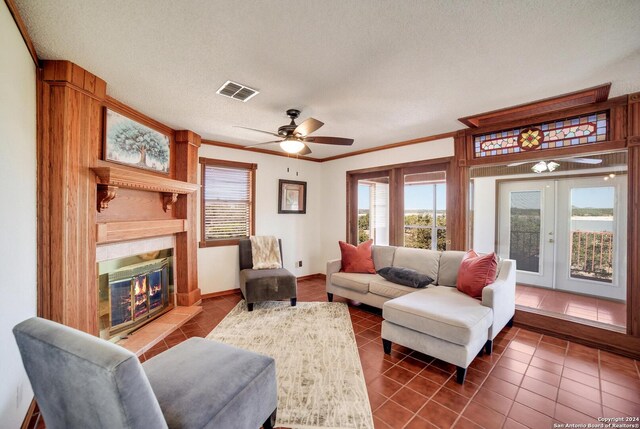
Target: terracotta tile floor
[(530, 380), (574, 305)]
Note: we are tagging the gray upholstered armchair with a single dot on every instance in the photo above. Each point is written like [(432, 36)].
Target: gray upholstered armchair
[(264, 285), (81, 381)]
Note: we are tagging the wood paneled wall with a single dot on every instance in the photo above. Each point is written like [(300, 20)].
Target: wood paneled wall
[(187, 145), (69, 138), (71, 104), (633, 214)]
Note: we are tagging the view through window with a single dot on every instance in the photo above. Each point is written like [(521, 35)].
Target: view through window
[(402, 206), (373, 210), (227, 201), (425, 210)]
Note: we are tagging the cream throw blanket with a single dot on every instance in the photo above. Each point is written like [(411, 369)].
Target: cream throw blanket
[(265, 252)]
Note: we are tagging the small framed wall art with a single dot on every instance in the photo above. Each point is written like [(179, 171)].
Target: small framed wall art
[(130, 143), (292, 196)]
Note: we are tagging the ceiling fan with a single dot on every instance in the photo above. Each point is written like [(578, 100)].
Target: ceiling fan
[(294, 138), (542, 166)]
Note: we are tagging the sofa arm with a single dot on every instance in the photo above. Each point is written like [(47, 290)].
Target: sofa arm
[(333, 266), (500, 296)]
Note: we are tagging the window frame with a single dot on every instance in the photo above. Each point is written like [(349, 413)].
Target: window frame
[(204, 162), (396, 174)]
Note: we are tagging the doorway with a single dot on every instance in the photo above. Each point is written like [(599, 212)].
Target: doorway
[(566, 233)]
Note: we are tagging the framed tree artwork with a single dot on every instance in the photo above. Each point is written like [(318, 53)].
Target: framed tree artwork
[(130, 143), (292, 196)]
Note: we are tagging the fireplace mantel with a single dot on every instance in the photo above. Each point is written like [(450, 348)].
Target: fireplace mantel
[(112, 176)]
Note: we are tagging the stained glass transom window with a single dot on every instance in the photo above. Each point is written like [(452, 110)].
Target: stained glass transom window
[(579, 130)]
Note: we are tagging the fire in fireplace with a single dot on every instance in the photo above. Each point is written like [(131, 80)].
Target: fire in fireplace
[(133, 294)]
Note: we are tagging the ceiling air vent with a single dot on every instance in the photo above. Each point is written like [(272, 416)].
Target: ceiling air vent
[(237, 91)]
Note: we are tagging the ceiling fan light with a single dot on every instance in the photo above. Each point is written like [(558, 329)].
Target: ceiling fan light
[(539, 167), (551, 166), (291, 145)]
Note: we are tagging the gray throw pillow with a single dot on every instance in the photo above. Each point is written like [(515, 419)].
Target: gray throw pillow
[(405, 276)]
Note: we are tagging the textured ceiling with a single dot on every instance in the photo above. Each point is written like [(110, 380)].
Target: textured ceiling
[(376, 71)]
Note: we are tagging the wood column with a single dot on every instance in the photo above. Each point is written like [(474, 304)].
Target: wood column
[(69, 141), (187, 145), (633, 215), (457, 195)]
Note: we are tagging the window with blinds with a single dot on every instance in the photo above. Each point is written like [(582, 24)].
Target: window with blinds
[(227, 200)]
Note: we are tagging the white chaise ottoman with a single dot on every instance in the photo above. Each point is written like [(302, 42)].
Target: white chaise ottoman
[(438, 321)]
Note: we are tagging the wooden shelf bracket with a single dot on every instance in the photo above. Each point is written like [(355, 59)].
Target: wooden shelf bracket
[(105, 194), (168, 199)]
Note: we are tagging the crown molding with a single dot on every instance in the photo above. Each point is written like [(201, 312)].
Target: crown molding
[(23, 30), (595, 94)]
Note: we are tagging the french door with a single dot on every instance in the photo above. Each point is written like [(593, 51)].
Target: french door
[(526, 230), (568, 233)]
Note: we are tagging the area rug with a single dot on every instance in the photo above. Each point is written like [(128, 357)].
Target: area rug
[(320, 380)]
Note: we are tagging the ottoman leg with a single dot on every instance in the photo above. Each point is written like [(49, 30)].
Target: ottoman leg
[(250, 306), (329, 297), (460, 374), (271, 421), (488, 347), (386, 346), (510, 323), (293, 301)]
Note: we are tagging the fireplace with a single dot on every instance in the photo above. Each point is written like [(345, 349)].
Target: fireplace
[(134, 290)]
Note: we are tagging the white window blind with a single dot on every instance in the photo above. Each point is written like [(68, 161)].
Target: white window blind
[(380, 218), (227, 202)]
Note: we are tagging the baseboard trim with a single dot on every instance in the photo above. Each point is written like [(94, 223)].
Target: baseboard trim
[(29, 416), (591, 336), (221, 293), (319, 276)]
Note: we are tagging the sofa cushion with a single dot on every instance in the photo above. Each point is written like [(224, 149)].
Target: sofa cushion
[(442, 312), (476, 272), (405, 277), (382, 287), (357, 259), (382, 256), (449, 265), (354, 281), (422, 260), (266, 285)]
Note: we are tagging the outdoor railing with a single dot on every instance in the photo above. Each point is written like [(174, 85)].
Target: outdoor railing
[(592, 254)]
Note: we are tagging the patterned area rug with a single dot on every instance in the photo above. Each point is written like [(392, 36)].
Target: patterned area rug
[(320, 380)]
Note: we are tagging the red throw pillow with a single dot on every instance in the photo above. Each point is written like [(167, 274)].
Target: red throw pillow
[(476, 272), (357, 259)]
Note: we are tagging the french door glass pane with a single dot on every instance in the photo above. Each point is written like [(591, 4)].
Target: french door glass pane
[(525, 226), (592, 226), (373, 210)]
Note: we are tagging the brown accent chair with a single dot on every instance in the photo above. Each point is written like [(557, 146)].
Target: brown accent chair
[(264, 285)]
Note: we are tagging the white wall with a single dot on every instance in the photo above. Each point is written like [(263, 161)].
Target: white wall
[(334, 186), (300, 233), (18, 213)]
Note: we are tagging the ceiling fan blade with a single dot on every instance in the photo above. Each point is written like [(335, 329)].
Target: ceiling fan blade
[(260, 144), (260, 131), (305, 150), (515, 164), (582, 160), (330, 140), (307, 127)]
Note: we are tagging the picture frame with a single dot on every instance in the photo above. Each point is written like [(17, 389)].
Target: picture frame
[(292, 196), (131, 143)]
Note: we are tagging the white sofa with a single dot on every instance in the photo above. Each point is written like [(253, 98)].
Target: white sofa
[(439, 320)]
